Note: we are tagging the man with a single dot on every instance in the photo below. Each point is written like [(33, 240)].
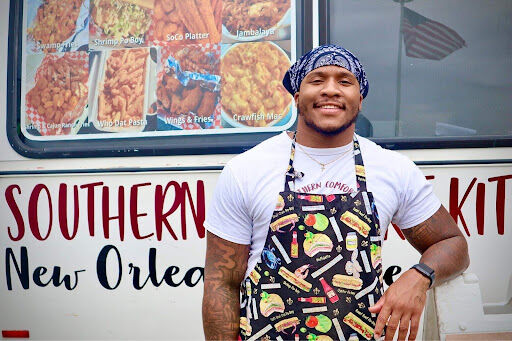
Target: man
[(309, 266)]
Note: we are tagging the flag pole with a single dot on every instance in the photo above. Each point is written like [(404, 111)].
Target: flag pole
[(399, 71)]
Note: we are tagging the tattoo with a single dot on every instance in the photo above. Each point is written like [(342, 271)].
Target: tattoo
[(225, 267), (441, 243)]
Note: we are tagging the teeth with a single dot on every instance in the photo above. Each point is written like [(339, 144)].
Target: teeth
[(329, 107)]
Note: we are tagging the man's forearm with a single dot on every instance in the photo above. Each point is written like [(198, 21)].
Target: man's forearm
[(224, 270), (221, 309), (448, 258)]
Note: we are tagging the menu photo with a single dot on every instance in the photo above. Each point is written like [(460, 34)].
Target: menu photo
[(56, 25)]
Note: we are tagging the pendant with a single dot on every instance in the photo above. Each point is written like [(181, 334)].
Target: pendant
[(323, 166)]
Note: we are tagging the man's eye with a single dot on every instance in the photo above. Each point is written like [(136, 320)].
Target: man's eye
[(345, 81), (316, 81)]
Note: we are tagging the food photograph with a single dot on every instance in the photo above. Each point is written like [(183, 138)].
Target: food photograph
[(188, 88), (56, 100), (252, 95), (119, 23), (178, 22), (57, 25), (121, 92), (250, 20)]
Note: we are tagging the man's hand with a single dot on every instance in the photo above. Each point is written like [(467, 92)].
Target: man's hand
[(402, 304), (444, 249)]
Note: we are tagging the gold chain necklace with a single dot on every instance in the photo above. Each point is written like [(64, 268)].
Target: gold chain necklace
[(326, 163)]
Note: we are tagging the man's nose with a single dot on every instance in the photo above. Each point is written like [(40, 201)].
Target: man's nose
[(331, 87)]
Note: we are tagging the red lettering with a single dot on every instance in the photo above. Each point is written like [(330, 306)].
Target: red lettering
[(63, 212), (134, 215), (430, 177), (197, 215), (160, 217), (398, 231), (480, 208), (500, 201), (33, 217), (105, 212), (90, 204), (9, 197), (455, 206)]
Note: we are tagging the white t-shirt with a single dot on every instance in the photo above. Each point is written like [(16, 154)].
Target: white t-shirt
[(247, 189)]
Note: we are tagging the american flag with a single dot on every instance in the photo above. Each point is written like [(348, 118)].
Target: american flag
[(428, 39)]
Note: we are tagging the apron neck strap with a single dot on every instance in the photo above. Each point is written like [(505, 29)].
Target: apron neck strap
[(291, 173)]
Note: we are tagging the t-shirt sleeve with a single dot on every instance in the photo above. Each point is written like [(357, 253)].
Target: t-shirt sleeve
[(227, 216), (417, 199)]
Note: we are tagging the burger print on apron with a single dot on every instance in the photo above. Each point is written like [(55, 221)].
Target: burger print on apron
[(320, 268)]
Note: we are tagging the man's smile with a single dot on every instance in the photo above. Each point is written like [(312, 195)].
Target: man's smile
[(329, 106)]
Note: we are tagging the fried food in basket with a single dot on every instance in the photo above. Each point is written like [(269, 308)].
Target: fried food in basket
[(180, 100), (178, 20), (55, 21), (121, 97), (241, 15), (119, 19), (193, 58), (251, 89), (60, 93)]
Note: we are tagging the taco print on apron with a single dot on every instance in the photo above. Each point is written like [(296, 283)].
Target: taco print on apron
[(320, 268)]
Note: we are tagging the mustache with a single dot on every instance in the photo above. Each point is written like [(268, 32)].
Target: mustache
[(336, 103)]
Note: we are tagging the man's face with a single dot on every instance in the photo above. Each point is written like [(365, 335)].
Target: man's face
[(329, 100)]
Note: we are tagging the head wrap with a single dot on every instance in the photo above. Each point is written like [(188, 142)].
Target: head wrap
[(322, 56)]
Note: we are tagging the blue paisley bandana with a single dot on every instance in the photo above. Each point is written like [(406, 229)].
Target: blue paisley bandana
[(322, 56)]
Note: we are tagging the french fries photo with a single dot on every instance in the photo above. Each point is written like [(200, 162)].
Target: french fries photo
[(175, 21), (120, 103)]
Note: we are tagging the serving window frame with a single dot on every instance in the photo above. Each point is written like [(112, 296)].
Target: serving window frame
[(194, 144)]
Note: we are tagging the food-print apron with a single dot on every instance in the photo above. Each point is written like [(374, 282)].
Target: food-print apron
[(320, 268)]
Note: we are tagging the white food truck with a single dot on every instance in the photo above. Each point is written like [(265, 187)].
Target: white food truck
[(117, 117)]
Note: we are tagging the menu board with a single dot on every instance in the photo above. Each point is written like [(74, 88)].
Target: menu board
[(95, 69)]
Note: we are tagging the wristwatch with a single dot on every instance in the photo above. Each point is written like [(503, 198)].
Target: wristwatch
[(426, 271)]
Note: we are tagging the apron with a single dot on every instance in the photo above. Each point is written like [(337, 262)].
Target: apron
[(320, 268)]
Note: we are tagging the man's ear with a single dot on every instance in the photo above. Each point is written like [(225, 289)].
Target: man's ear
[(360, 102), (296, 98)]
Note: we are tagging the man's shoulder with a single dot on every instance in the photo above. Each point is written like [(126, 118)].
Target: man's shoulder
[(267, 152), (376, 155)]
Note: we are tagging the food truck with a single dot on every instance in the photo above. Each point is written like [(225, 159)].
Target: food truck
[(117, 117)]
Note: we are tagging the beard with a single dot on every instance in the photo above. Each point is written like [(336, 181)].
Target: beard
[(331, 131)]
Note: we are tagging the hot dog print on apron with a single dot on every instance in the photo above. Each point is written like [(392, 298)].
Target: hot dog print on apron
[(320, 268)]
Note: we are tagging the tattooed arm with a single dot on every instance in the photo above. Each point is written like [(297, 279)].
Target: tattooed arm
[(444, 249), (224, 270)]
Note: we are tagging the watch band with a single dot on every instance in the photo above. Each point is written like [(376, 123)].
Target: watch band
[(426, 271)]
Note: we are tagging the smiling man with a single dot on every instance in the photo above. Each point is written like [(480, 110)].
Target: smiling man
[(296, 225)]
